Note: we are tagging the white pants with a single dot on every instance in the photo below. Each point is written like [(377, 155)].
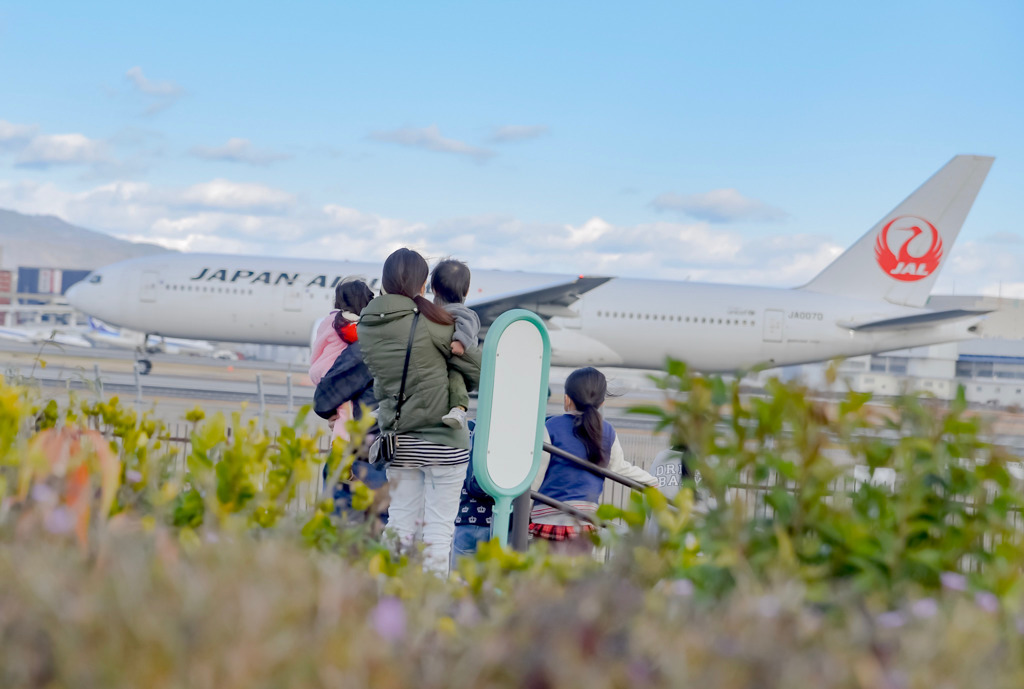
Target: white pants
[(425, 501)]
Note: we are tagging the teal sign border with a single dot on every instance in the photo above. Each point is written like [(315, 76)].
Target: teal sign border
[(503, 496)]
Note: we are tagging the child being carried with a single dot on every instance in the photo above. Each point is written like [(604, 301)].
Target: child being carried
[(450, 285)]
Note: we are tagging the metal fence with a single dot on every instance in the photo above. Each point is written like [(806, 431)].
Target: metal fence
[(639, 447)]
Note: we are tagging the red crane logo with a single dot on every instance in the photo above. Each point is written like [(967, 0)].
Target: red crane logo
[(903, 265)]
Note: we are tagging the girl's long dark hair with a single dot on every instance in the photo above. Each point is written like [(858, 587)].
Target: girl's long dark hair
[(405, 273), (587, 388), (352, 296)]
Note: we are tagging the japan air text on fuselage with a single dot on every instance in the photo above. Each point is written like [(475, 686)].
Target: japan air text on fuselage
[(267, 277)]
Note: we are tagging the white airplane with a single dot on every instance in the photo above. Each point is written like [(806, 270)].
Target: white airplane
[(870, 299)]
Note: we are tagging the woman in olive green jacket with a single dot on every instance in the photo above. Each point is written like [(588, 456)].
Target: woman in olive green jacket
[(426, 475)]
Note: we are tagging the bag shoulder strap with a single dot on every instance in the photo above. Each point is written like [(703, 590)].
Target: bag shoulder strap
[(405, 369)]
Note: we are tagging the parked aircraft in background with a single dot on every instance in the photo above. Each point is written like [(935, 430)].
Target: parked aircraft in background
[(102, 335), (99, 334), (870, 299), (61, 336)]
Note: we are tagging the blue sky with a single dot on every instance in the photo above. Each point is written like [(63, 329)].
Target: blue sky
[(741, 142)]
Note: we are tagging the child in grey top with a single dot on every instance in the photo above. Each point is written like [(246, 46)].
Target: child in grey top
[(450, 285)]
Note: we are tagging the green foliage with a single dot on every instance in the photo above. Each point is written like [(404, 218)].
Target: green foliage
[(229, 476), (781, 499), (255, 614), (132, 559)]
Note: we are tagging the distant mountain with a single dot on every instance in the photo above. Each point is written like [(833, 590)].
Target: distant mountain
[(45, 241)]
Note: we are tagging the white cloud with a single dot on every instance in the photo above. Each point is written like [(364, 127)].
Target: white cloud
[(518, 132), (224, 215), (347, 233), (128, 208), (200, 243), (246, 233), (152, 88), (15, 135), (719, 206), (589, 232), (238, 151), (225, 194), (385, 228), (161, 94), (430, 139), (47, 150), (43, 151)]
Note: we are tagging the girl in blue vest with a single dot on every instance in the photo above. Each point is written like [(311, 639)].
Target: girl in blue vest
[(582, 432)]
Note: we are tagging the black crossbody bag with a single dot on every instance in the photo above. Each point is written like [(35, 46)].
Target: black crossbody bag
[(386, 445)]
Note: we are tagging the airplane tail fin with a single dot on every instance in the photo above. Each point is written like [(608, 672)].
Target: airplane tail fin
[(899, 259)]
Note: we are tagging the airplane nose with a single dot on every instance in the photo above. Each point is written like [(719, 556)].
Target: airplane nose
[(74, 295)]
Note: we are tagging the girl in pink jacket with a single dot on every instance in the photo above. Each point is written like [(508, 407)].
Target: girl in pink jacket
[(336, 332)]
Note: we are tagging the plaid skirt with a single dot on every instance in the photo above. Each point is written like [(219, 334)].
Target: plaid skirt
[(556, 532)]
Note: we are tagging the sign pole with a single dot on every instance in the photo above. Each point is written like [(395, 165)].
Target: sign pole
[(510, 412)]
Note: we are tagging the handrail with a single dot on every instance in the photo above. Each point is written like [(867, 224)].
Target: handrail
[(593, 468), (566, 508)]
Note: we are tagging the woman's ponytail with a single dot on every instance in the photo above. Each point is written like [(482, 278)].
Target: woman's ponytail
[(587, 388), (433, 311)]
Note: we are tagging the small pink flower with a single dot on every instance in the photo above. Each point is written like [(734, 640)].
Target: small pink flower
[(132, 476), (682, 587), (59, 521), (924, 608), (891, 620), (389, 619), (43, 493), (953, 581), (987, 601)]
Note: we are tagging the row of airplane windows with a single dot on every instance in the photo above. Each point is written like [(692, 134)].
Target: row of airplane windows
[(680, 319), (203, 288), (222, 290)]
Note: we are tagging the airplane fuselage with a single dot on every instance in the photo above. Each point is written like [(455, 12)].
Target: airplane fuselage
[(625, 322)]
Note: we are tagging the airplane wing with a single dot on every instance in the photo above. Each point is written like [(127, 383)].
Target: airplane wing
[(546, 301), (919, 320)]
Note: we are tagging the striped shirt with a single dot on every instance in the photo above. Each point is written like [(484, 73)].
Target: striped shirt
[(413, 453)]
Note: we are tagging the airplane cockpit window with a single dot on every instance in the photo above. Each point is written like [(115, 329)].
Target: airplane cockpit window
[(95, 279)]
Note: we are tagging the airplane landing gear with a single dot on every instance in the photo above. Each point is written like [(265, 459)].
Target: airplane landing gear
[(142, 364)]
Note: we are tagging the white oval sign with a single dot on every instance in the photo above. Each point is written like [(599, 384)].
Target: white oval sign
[(518, 377)]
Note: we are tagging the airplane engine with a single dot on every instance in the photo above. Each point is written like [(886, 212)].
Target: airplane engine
[(572, 348)]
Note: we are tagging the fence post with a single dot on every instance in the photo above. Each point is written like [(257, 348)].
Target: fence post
[(288, 381), (260, 396), (138, 388), (99, 381)]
